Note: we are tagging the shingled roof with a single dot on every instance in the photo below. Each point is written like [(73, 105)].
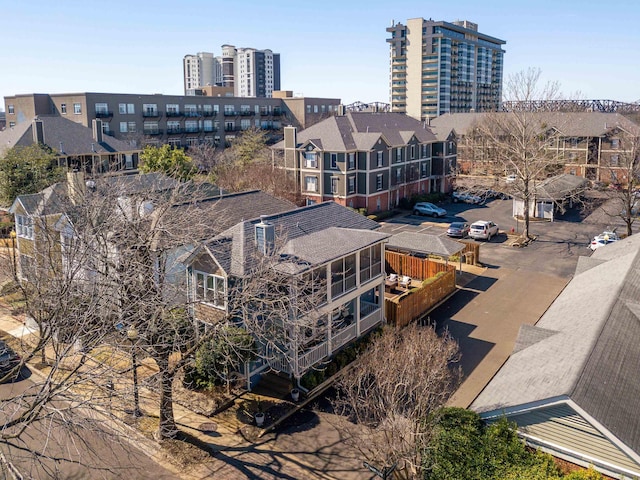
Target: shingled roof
[(62, 136), (361, 131), (331, 231), (584, 348), (569, 124)]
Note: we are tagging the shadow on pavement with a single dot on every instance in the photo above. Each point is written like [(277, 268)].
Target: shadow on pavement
[(472, 350)]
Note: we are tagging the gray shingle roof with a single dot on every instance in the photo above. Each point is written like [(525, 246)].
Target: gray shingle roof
[(235, 249), (361, 130), (425, 243), (76, 139), (570, 124), (594, 357)]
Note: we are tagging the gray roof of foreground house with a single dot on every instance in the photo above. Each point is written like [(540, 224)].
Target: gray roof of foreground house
[(336, 229), (570, 124), (75, 138), (585, 347), (361, 130), (558, 188), (425, 244)]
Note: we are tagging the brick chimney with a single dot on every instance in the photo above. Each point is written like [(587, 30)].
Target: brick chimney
[(97, 130)]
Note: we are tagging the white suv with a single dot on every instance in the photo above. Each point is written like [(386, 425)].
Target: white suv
[(483, 229)]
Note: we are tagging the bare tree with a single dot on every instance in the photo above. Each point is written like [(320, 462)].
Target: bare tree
[(520, 139), (623, 167), (392, 391)]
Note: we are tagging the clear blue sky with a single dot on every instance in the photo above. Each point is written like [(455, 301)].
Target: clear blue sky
[(328, 48)]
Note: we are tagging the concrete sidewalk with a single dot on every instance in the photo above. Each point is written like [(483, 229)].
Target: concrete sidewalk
[(313, 450)]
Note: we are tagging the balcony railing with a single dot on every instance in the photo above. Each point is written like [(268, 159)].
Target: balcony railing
[(229, 113), (193, 113), (313, 356), (191, 129), (104, 114), (247, 113), (174, 130), (151, 113), (343, 337), (155, 131), (209, 113), (173, 113)]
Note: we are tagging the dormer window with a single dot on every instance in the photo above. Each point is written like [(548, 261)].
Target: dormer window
[(310, 160), (24, 227)]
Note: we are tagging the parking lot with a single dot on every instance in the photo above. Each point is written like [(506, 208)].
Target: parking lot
[(555, 251), (517, 286)]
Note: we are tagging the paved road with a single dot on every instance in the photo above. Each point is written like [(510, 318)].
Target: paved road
[(72, 445)]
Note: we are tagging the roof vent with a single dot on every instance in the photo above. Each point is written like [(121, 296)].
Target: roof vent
[(265, 236)]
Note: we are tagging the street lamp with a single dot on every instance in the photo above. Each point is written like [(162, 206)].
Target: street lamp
[(132, 335)]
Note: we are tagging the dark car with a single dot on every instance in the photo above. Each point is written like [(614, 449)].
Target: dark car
[(458, 229), (9, 360)]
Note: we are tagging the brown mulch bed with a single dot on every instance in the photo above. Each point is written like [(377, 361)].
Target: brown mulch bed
[(204, 402)]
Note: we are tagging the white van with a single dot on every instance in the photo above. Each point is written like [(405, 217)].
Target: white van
[(483, 230)]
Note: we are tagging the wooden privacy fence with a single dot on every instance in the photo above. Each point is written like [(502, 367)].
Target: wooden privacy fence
[(414, 267), (415, 303)]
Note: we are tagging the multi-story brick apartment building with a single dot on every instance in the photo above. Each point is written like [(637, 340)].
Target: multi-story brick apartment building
[(368, 160), (439, 67), (178, 120), (589, 144)]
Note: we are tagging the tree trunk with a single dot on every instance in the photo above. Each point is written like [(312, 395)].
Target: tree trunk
[(525, 213), (167, 428)]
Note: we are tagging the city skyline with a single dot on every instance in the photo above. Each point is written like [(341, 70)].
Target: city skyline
[(337, 51)]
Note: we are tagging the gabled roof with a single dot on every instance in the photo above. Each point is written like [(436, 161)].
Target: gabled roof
[(558, 188), (235, 250), (594, 355), (75, 138), (569, 124), (361, 130), (425, 243)]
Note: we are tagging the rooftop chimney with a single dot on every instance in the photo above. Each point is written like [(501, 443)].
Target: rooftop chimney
[(76, 186), (38, 132), (265, 236), (97, 130)]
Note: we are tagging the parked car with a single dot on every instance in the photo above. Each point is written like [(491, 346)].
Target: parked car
[(496, 194), (483, 230), (458, 229), (605, 238), (512, 177), (9, 360), (466, 197), (426, 208)]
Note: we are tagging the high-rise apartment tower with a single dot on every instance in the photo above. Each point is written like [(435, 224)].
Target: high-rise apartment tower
[(250, 72), (441, 67)]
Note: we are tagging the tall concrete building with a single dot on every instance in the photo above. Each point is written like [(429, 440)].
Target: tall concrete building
[(250, 72), (199, 70), (439, 67)]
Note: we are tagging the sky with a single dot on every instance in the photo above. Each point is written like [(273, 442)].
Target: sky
[(327, 48)]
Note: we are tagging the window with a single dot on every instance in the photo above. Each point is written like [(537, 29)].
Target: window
[(77, 108), (150, 110), (132, 127), (191, 126), (229, 110), (10, 109), (413, 151), (123, 127), (423, 169), (311, 184), (216, 109), (380, 159), (175, 142), (334, 160), (352, 161), (615, 142), (379, 182), (310, 160), (102, 109), (335, 181), (151, 128), (614, 160), (351, 184), (208, 125), (173, 109), (308, 108), (229, 126), (398, 154), (398, 175), (572, 155), (191, 110), (245, 108), (106, 128), (127, 108), (24, 226), (210, 289), (208, 110), (173, 126), (63, 108), (245, 124), (315, 109), (12, 124)]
